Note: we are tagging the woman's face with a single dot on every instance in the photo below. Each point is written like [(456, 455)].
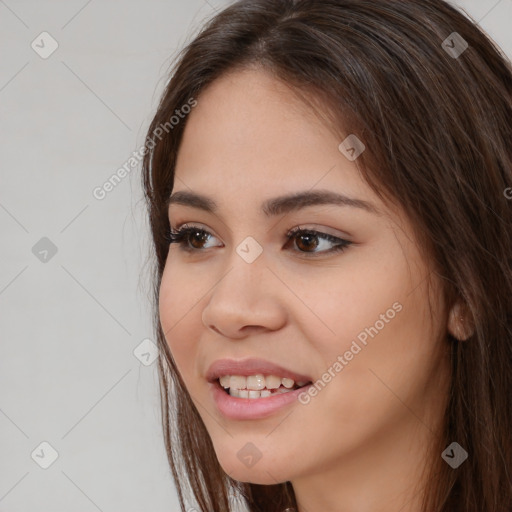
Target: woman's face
[(355, 322)]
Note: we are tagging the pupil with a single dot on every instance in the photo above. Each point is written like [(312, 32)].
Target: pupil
[(308, 239), (198, 236)]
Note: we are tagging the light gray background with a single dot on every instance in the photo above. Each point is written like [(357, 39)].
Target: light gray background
[(69, 326)]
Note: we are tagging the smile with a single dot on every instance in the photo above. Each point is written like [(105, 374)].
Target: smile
[(258, 386), (254, 407), (250, 389)]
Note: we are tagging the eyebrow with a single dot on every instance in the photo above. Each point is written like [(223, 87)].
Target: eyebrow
[(278, 205)]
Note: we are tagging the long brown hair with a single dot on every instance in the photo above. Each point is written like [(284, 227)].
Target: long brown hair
[(436, 119)]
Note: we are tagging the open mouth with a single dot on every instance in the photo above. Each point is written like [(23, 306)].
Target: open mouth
[(258, 386)]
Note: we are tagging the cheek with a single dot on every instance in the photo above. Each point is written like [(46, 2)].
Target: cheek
[(180, 318), (372, 332), (338, 304)]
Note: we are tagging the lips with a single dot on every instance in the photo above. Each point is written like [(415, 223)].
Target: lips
[(251, 366)]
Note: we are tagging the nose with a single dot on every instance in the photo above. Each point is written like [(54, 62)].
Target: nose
[(248, 298)]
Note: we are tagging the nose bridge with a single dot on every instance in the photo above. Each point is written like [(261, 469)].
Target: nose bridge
[(247, 263), (243, 279), (243, 295)]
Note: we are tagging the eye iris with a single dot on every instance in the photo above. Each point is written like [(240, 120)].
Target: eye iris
[(198, 236), (308, 238)]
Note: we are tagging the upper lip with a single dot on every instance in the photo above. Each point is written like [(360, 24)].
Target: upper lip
[(251, 366)]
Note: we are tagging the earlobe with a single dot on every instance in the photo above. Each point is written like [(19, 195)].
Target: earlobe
[(460, 324)]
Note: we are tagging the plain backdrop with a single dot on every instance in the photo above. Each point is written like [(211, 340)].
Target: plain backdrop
[(78, 390)]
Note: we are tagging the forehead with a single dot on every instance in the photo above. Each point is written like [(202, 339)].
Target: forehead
[(251, 130)]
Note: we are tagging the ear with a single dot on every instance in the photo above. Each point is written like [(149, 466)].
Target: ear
[(460, 323)]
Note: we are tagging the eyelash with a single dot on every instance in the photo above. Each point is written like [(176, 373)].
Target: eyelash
[(181, 236)]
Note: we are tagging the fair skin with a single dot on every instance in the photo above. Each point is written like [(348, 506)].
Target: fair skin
[(360, 444)]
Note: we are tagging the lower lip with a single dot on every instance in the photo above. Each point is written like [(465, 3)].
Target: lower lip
[(252, 408)]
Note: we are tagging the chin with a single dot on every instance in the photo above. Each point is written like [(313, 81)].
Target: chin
[(244, 467), (260, 476)]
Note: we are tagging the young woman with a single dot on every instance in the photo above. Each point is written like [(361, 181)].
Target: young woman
[(329, 193)]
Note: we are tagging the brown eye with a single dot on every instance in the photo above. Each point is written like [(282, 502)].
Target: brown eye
[(307, 242), (315, 243), (197, 237), (190, 238)]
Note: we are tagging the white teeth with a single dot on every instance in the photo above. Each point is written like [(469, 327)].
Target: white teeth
[(252, 394), (237, 381), (257, 386), (288, 383), (224, 381), (256, 382), (272, 381)]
